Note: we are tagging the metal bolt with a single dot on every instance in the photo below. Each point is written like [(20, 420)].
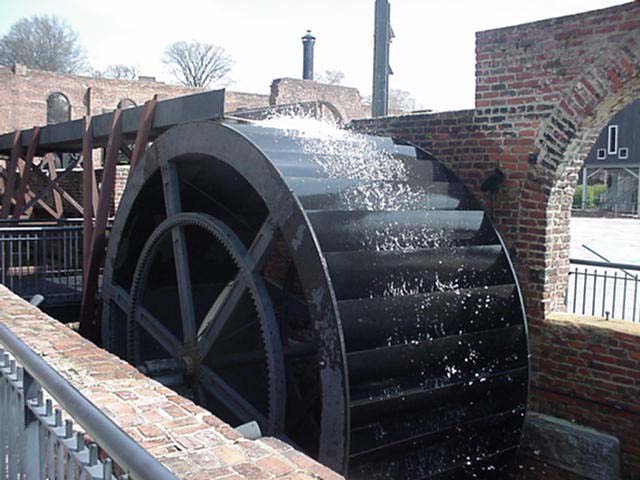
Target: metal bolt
[(48, 407), (58, 417), (40, 397)]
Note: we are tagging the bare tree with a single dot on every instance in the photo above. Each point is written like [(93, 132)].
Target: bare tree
[(43, 42), (331, 77), (120, 72), (402, 101), (197, 64)]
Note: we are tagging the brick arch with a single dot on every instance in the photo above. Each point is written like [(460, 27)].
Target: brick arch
[(564, 140)]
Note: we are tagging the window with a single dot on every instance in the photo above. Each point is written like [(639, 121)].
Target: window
[(623, 153), (126, 103), (58, 108), (612, 143), (601, 154)]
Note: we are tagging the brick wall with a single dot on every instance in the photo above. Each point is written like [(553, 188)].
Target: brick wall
[(347, 100), (187, 439), (23, 95), (588, 371)]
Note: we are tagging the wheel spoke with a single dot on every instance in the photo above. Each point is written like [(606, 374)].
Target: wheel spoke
[(163, 336), (173, 205), (230, 398), (256, 255), (171, 189), (220, 312), (119, 296), (185, 293)]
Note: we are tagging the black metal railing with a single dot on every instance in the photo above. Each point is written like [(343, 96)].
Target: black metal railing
[(40, 441), (42, 259), (604, 289)]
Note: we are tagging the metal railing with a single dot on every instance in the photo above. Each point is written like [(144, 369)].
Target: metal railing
[(40, 442), (604, 289), (39, 259)]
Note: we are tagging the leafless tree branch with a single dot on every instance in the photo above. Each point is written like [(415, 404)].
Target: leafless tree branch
[(197, 64)]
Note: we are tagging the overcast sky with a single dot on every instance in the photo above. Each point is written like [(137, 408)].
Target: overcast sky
[(432, 55)]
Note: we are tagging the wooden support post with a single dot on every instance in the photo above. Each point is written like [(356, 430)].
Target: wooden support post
[(10, 180), (88, 179), (21, 196), (89, 325)]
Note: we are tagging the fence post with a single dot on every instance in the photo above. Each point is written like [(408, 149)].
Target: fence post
[(31, 464), (4, 413)]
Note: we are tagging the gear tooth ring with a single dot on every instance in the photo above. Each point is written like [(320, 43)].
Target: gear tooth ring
[(192, 358)]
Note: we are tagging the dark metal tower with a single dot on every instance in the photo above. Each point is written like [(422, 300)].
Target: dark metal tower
[(381, 69)]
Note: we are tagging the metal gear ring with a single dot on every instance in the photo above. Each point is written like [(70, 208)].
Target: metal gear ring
[(189, 354)]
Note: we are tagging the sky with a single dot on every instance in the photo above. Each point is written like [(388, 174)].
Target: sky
[(432, 54)]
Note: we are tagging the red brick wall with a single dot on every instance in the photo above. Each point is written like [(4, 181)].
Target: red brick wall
[(534, 63), (588, 371)]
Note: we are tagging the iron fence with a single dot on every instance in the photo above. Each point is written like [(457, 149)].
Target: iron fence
[(604, 289), (38, 441), (42, 259)]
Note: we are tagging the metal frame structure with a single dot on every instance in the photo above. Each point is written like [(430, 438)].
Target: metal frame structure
[(113, 132), (34, 441)]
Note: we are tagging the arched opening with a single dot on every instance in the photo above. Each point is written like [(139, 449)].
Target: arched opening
[(58, 108), (564, 141)]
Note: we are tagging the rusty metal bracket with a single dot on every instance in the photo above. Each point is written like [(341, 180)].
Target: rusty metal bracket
[(89, 327), (88, 184), (142, 136)]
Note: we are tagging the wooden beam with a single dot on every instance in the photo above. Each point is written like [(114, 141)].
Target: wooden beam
[(32, 196), (53, 185), (57, 199), (26, 174), (10, 179)]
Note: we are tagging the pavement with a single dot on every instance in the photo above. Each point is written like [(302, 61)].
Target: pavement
[(618, 239), (605, 291)]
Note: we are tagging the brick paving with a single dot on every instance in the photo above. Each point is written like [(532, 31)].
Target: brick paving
[(187, 439)]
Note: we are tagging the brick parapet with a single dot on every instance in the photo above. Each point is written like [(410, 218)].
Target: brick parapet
[(534, 63), (187, 439)]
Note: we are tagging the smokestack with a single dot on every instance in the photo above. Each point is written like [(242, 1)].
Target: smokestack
[(308, 42)]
